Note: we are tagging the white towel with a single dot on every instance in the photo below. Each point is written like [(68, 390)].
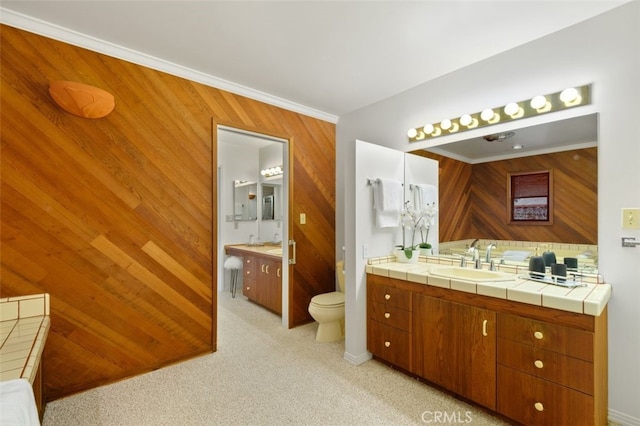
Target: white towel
[(425, 195), (388, 197), (17, 404)]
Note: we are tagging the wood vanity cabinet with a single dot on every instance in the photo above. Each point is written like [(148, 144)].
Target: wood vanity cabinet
[(454, 346), (389, 324), (262, 278), (550, 374), (270, 284), (534, 365)]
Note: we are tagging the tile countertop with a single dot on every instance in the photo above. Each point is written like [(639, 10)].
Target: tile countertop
[(24, 326), (590, 299), (269, 249)]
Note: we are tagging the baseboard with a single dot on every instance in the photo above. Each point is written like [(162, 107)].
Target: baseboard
[(617, 418), (357, 359)]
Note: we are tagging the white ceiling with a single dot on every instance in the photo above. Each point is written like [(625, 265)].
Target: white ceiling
[(324, 58), (331, 56)]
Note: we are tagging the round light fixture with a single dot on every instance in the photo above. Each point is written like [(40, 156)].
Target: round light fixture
[(445, 124), (465, 120), (487, 114), (569, 95), (428, 129), (412, 133), (511, 109), (538, 102)]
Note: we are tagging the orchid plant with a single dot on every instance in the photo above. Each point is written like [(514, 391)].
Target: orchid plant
[(416, 220)]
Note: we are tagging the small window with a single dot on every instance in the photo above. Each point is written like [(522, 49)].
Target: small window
[(530, 198)]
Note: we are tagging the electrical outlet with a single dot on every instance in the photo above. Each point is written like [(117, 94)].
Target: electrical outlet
[(630, 218), (365, 251)]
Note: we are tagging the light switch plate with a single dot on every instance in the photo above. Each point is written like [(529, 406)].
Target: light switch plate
[(630, 218), (303, 218)]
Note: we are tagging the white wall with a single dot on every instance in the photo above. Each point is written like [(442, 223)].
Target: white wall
[(234, 162), (603, 51)]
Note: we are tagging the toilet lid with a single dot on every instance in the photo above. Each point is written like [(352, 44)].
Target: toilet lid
[(329, 299)]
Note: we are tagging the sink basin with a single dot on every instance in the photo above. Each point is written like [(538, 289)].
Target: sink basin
[(468, 274), (275, 251)]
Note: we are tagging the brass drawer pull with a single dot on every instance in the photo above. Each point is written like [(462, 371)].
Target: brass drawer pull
[(387, 296), (484, 328), (387, 315), (387, 344), (248, 288), (539, 406), (538, 335), (538, 363)]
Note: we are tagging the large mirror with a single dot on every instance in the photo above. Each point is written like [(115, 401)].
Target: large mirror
[(245, 200), (474, 183)]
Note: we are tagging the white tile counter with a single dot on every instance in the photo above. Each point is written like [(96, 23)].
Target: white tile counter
[(24, 326), (590, 299)]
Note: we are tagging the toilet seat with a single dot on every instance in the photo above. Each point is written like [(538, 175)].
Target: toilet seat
[(328, 300)]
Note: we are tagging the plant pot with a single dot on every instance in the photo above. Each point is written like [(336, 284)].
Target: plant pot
[(401, 255), (426, 251)]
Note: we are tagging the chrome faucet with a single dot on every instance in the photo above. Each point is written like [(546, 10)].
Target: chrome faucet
[(476, 258), (488, 252)]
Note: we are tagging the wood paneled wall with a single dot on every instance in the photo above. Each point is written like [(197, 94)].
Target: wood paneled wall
[(115, 217), (474, 198)]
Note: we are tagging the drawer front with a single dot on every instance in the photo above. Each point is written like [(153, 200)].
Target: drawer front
[(390, 315), (533, 401), (390, 296), (389, 344), (561, 369), (557, 338)]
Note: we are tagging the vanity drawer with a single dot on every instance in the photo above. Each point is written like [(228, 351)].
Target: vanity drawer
[(389, 343), (534, 401), (561, 369), (390, 296), (557, 338), (390, 315)]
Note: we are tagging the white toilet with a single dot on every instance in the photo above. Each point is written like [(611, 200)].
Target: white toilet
[(328, 311)]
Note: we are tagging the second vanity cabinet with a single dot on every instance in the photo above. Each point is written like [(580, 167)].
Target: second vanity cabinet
[(535, 365), (262, 277)]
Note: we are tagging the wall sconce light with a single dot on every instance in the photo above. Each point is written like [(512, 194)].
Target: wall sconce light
[(81, 99), (541, 104), (272, 171)]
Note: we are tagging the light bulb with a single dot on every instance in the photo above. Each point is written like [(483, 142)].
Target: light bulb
[(445, 124), (511, 109), (412, 133), (428, 129), (465, 120), (569, 95), (487, 114), (538, 102)]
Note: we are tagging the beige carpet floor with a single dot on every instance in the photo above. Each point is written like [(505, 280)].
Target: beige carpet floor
[(263, 374)]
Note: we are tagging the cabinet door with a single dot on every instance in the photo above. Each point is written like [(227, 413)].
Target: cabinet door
[(455, 346), (271, 284)]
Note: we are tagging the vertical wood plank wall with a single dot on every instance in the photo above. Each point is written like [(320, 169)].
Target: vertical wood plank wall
[(115, 217), (474, 198)]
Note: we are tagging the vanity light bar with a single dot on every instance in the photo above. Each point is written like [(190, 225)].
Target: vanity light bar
[(541, 104), (272, 171)]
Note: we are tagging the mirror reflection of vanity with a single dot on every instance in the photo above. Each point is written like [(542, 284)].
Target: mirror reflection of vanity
[(474, 188), (245, 200)]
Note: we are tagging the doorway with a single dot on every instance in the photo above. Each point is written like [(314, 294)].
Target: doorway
[(258, 164)]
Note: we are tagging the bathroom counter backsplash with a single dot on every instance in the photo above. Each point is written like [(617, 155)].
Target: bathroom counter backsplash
[(590, 299)]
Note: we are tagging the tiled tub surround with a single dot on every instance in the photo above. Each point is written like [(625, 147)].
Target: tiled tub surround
[(24, 326), (590, 299)]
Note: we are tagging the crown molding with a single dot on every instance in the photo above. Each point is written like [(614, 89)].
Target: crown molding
[(56, 32)]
